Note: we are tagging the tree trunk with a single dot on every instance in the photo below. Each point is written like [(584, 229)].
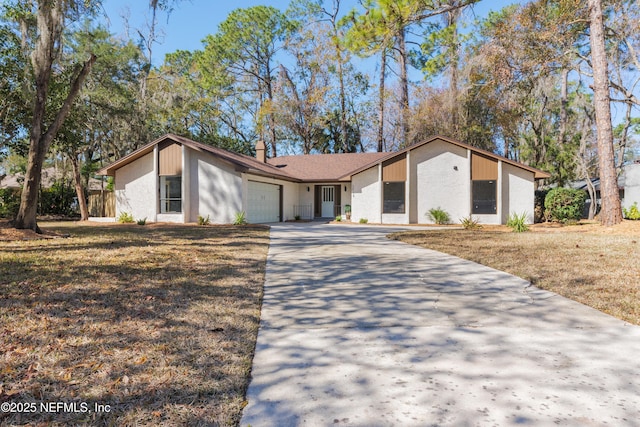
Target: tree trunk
[(562, 125), (591, 190), (562, 131), (49, 22), (611, 212), (77, 181), (383, 69), (404, 88), (343, 108), (583, 163), (39, 145), (271, 119), (451, 19)]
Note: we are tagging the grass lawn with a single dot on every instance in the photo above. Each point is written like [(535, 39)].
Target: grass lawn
[(159, 322), (597, 266)]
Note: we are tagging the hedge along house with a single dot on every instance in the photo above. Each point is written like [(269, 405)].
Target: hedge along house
[(175, 179)]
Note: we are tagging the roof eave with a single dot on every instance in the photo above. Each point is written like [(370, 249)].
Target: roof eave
[(267, 174), (135, 155), (538, 174), (324, 180), (111, 169), (241, 166)]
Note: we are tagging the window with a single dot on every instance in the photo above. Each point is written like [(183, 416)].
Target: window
[(170, 194), (484, 197), (393, 196)]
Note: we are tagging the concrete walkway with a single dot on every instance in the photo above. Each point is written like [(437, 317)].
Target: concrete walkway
[(360, 330)]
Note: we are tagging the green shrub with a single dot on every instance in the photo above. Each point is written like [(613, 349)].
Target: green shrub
[(297, 217), (203, 221), (60, 199), (125, 218), (565, 204), (9, 203), (142, 221), (339, 218), (469, 223), (347, 209), (363, 220), (241, 218), (438, 216), (632, 212), (518, 223)]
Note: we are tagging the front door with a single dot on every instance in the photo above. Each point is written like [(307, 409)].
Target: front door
[(328, 201)]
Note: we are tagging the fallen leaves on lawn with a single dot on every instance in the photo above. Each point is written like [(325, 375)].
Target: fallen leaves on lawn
[(158, 322), (597, 266)]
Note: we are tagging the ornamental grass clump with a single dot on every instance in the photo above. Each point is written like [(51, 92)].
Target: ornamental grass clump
[(470, 223), (240, 219), (518, 222), (126, 218), (438, 216), (203, 220)]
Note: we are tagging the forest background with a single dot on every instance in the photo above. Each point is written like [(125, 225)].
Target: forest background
[(327, 77)]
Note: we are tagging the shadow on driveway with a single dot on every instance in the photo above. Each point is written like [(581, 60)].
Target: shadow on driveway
[(357, 329)]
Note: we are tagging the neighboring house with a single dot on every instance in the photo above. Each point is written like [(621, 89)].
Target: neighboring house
[(631, 184), (628, 186), (175, 179), (49, 176)]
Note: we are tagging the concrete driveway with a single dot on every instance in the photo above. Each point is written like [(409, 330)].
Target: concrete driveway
[(360, 330)]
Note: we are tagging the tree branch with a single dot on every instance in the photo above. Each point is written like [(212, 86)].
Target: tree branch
[(76, 85), (442, 10)]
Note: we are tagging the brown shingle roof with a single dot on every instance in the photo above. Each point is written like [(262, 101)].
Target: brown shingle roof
[(306, 168), (324, 167), (246, 163), (243, 163), (538, 174)]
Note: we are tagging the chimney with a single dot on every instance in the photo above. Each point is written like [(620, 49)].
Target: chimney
[(261, 151)]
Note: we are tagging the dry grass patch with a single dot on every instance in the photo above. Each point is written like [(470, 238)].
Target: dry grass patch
[(159, 322), (594, 265)]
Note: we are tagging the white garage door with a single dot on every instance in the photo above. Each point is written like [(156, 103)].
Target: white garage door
[(263, 202)]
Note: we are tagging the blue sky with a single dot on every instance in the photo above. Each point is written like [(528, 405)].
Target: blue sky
[(193, 20)]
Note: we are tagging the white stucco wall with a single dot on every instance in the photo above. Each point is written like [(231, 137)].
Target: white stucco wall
[(631, 185), (440, 178), (290, 197), (345, 197), (187, 193), (136, 189), (305, 200), (395, 218), (215, 188), (366, 196), (517, 192)]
